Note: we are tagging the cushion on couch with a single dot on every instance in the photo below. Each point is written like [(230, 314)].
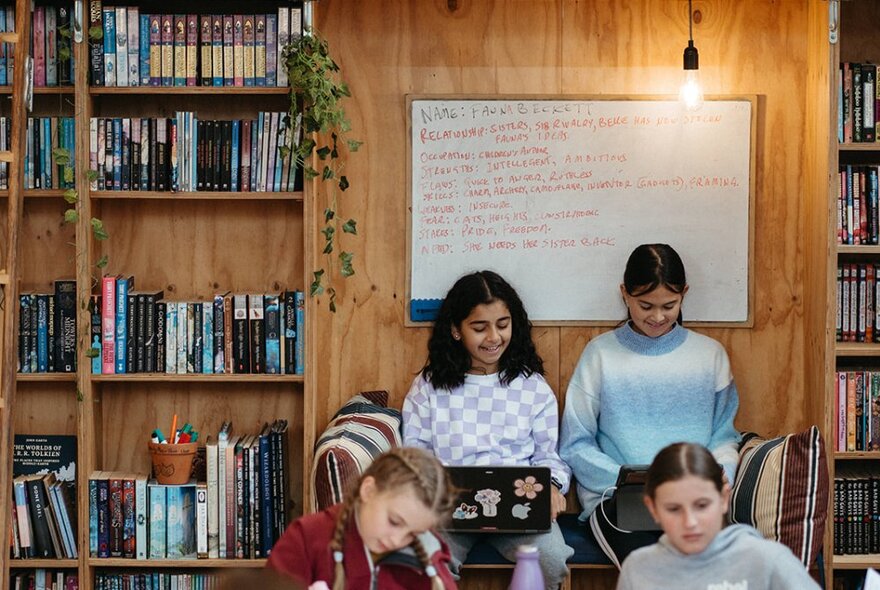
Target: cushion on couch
[(781, 489), (361, 430)]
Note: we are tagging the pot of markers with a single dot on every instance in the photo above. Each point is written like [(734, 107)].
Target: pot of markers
[(173, 459)]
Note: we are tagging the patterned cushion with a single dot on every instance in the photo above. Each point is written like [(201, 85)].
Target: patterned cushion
[(781, 489), (361, 430)]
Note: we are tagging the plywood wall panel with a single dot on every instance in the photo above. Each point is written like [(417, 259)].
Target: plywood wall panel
[(388, 50)]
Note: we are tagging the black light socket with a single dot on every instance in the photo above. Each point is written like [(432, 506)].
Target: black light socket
[(691, 57)]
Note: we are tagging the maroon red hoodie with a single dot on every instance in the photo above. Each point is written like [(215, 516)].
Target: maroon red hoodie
[(303, 553)]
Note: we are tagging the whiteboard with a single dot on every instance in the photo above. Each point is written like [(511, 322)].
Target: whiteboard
[(554, 194)]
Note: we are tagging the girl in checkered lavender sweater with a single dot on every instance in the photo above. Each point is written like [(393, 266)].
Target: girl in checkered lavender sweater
[(481, 399)]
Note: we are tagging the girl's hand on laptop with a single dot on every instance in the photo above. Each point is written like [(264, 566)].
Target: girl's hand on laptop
[(557, 502)]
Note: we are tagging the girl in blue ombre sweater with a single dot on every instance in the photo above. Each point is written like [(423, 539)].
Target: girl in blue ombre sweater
[(640, 387)]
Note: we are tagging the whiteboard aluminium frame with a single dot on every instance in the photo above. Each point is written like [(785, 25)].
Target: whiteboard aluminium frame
[(753, 99)]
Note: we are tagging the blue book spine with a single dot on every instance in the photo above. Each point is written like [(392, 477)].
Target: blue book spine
[(46, 153), (267, 514), (93, 509), (207, 337), (300, 332), (144, 49), (158, 509), (279, 161), (180, 522), (3, 48), (42, 333), (122, 287), (109, 46), (234, 159), (272, 318), (272, 49)]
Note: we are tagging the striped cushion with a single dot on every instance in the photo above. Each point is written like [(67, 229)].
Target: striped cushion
[(781, 489), (361, 430)]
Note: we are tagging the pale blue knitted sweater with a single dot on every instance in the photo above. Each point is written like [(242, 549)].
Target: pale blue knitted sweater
[(631, 395)]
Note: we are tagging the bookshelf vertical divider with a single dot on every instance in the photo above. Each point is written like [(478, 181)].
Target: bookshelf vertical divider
[(10, 286)]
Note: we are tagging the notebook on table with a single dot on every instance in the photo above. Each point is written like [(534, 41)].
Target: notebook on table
[(632, 514), (500, 499)]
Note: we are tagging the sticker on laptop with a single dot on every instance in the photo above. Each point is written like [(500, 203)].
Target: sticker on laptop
[(488, 499), (528, 487), (521, 511), (465, 512)]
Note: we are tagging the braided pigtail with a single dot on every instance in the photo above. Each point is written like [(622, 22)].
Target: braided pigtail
[(337, 544), (430, 570)]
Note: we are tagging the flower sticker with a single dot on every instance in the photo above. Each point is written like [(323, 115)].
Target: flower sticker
[(488, 499), (528, 487)]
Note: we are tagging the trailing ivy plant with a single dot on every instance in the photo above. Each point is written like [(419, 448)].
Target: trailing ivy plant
[(317, 124), (71, 215)]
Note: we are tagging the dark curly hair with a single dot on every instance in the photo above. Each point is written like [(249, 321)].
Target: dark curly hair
[(448, 359)]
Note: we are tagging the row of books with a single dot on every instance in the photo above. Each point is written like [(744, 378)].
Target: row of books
[(185, 153), (47, 330), (51, 44), (45, 517), (49, 153), (190, 49), (857, 394), (857, 99), (858, 319), (43, 579), (138, 332), (858, 213), (238, 511), (856, 514), (156, 581)]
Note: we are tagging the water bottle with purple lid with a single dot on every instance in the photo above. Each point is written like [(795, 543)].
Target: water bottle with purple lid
[(527, 573)]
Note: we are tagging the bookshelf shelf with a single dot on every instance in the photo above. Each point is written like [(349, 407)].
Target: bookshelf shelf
[(43, 563), (201, 196), (856, 562), (860, 147), (857, 455), (867, 349), (42, 90), (194, 377), (866, 250), (46, 377), (188, 90), (178, 563)]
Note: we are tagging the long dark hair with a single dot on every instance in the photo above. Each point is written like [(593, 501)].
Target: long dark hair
[(448, 359), (651, 266), (679, 460)]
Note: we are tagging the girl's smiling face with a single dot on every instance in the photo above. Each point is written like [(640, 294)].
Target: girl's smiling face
[(485, 334), (654, 313)]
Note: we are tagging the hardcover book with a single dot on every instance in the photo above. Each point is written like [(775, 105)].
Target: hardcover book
[(109, 14), (96, 43), (121, 46), (134, 46), (192, 48)]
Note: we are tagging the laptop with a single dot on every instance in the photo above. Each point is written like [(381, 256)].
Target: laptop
[(500, 499), (632, 514)]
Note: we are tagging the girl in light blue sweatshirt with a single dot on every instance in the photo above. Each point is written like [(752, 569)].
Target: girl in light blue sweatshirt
[(687, 495)]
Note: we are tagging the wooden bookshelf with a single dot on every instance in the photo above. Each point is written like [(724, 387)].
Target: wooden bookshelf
[(857, 43), (192, 245)]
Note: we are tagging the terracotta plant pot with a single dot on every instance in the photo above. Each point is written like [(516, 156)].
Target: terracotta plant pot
[(172, 464)]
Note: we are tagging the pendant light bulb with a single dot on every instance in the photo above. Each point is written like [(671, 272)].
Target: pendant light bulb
[(691, 93)]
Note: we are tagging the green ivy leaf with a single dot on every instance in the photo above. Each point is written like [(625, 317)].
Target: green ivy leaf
[(71, 196), (329, 214), (71, 216), (328, 249), (102, 262), (92, 353), (350, 227), (323, 152), (68, 174), (343, 183), (354, 145), (309, 173), (346, 258), (316, 288), (328, 173), (328, 232), (332, 293), (98, 229), (283, 151), (96, 33), (64, 53), (61, 156), (92, 175)]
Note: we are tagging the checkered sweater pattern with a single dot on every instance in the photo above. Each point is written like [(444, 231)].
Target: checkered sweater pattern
[(483, 422)]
